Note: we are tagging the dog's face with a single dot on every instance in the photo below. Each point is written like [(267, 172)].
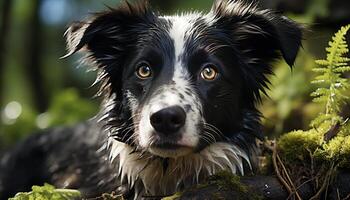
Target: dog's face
[(180, 83)]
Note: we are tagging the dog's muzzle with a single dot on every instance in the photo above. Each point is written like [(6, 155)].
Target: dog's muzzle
[(169, 121), (169, 127)]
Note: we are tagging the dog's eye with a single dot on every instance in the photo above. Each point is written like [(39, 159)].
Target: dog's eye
[(144, 71), (209, 73)]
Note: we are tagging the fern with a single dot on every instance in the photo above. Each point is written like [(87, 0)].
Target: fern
[(329, 130), (330, 73)]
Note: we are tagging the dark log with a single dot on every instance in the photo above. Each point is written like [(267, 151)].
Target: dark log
[(268, 187)]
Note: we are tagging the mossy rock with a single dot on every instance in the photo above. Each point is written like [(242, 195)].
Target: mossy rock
[(221, 186), (299, 145)]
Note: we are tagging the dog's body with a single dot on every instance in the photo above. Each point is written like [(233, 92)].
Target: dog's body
[(180, 101)]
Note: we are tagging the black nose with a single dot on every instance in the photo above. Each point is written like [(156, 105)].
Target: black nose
[(168, 120)]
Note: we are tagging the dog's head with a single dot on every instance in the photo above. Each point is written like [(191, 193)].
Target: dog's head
[(176, 84)]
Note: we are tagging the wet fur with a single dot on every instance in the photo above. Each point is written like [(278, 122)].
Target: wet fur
[(111, 152)]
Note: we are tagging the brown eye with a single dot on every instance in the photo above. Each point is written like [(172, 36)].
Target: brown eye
[(144, 71), (209, 73)]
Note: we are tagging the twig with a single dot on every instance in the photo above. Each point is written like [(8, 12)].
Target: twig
[(347, 197), (275, 160), (324, 184), (305, 182), (287, 175), (312, 162), (279, 176), (332, 132)]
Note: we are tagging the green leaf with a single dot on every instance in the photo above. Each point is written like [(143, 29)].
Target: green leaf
[(48, 192)]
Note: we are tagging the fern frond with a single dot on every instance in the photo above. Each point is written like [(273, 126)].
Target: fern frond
[(330, 71), (342, 69)]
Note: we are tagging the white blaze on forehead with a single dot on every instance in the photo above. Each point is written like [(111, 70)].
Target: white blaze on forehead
[(181, 28)]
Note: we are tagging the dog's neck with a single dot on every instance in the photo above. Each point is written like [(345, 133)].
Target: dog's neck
[(150, 175)]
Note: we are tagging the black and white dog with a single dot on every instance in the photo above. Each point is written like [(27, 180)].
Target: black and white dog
[(180, 95)]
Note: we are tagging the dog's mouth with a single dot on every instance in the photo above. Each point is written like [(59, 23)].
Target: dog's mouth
[(169, 149), (168, 146)]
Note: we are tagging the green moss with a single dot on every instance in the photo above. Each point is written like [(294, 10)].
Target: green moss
[(173, 197), (345, 152), (226, 180), (297, 145), (338, 150), (47, 192), (345, 131), (218, 186), (229, 182)]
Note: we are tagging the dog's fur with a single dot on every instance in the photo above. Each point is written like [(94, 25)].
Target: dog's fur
[(120, 150)]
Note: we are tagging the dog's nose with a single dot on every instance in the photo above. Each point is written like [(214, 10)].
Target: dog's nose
[(168, 120)]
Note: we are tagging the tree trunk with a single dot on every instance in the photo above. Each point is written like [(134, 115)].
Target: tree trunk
[(33, 61), (5, 26)]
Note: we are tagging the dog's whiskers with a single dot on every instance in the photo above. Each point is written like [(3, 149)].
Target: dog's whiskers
[(206, 139), (213, 130)]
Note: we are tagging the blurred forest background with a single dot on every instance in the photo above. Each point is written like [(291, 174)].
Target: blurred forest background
[(38, 90)]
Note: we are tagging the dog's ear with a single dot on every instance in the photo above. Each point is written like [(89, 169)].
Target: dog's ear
[(106, 36), (260, 33), (108, 39)]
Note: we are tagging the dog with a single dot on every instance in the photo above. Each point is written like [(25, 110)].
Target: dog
[(179, 101)]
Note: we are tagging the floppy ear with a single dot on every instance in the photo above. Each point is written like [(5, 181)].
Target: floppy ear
[(289, 36), (107, 40), (107, 36), (259, 37), (261, 33)]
